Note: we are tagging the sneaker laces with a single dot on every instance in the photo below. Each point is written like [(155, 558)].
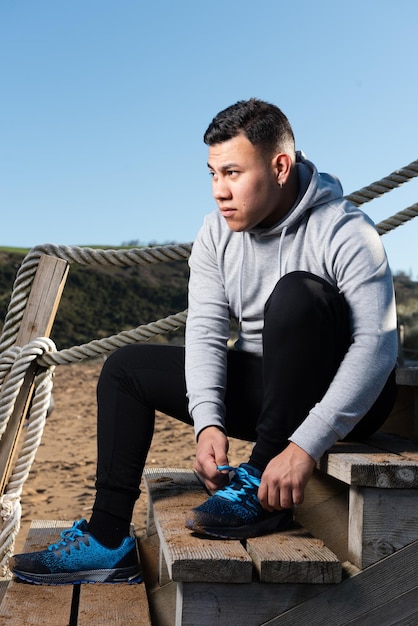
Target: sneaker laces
[(240, 484), (67, 535)]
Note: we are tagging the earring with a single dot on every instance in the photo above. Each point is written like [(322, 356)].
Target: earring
[(280, 184)]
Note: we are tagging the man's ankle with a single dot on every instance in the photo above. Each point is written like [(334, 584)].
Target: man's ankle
[(108, 529)]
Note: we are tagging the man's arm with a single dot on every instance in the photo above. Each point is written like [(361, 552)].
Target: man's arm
[(207, 333)]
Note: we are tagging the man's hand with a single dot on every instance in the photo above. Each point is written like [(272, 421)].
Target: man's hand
[(284, 480), (211, 451)]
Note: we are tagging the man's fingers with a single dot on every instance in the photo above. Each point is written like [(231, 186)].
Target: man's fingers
[(275, 498)]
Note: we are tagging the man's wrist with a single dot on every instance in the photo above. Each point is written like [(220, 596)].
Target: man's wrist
[(210, 426)]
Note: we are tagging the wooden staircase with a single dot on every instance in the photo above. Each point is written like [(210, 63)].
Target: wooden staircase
[(350, 560)]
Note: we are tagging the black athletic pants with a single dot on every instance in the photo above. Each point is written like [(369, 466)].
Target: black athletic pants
[(306, 334)]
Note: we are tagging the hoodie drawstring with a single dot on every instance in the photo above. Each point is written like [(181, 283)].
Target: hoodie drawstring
[(240, 279), (282, 236), (241, 270)]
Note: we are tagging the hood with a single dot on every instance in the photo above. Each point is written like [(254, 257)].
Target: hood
[(315, 189)]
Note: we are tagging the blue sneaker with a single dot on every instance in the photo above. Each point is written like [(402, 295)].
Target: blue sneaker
[(79, 558), (235, 512)]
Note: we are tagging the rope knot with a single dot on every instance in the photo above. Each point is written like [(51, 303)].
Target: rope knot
[(8, 503), (15, 363)]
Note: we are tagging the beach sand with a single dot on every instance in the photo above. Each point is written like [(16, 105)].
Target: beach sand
[(60, 485)]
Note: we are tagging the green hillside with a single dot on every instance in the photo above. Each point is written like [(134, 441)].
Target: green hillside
[(102, 301)]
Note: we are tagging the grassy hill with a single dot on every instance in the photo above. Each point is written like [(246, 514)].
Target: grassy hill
[(101, 301)]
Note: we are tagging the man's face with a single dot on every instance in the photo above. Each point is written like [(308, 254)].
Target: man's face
[(244, 184)]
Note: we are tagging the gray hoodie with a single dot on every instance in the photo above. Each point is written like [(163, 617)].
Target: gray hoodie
[(233, 273)]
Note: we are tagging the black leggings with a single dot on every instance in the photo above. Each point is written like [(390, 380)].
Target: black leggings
[(306, 334)]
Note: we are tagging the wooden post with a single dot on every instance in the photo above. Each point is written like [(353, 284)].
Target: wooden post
[(37, 321)]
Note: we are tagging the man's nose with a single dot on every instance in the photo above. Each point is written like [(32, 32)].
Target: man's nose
[(220, 189)]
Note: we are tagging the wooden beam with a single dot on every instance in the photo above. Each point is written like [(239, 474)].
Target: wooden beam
[(292, 556), (119, 605), (363, 466), (64, 605), (381, 521), (38, 604), (324, 512), (186, 556), (383, 582), (37, 321)]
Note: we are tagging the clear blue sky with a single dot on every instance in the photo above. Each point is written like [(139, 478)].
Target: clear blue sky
[(104, 104)]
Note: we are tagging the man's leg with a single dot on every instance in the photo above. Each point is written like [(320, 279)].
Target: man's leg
[(135, 381), (306, 335)]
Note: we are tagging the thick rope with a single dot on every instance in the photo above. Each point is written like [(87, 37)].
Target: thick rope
[(82, 256), (380, 187), (15, 364), (99, 347), (397, 220), (15, 361)]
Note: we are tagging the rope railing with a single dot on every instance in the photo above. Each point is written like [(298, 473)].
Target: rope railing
[(397, 220), (380, 187), (81, 256), (99, 347), (14, 364), (14, 361)]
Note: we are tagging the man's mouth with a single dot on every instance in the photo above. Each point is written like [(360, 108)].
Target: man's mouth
[(227, 212)]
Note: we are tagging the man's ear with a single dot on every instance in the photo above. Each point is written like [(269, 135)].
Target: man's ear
[(282, 164)]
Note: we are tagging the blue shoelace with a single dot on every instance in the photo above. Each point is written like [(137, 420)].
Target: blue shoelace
[(69, 534), (241, 476)]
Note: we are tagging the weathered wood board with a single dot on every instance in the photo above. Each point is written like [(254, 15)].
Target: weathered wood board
[(70, 605)]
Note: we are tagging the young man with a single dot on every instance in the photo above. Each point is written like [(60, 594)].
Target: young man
[(305, 275)]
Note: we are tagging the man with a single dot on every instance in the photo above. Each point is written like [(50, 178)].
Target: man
[(305, 275)]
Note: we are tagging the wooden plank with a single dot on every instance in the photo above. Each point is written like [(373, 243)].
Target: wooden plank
[(381, 469), (252, 604), (324, 512), (373, 587), (39, 605), (380, 523), (407, 376), (161, 599), (43, 533), (188, 557), (293, 556), (159, 478), (119, 605), (37, 321), (403, 611), (59, 605)]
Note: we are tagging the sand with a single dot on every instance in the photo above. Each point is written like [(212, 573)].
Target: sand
[(61, 482)]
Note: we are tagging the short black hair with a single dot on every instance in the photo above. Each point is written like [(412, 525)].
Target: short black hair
[(264, 124)]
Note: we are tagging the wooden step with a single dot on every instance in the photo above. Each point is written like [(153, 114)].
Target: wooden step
[(373, 465), (70, 605), (292, 556), (384, 594), (362, 501)]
